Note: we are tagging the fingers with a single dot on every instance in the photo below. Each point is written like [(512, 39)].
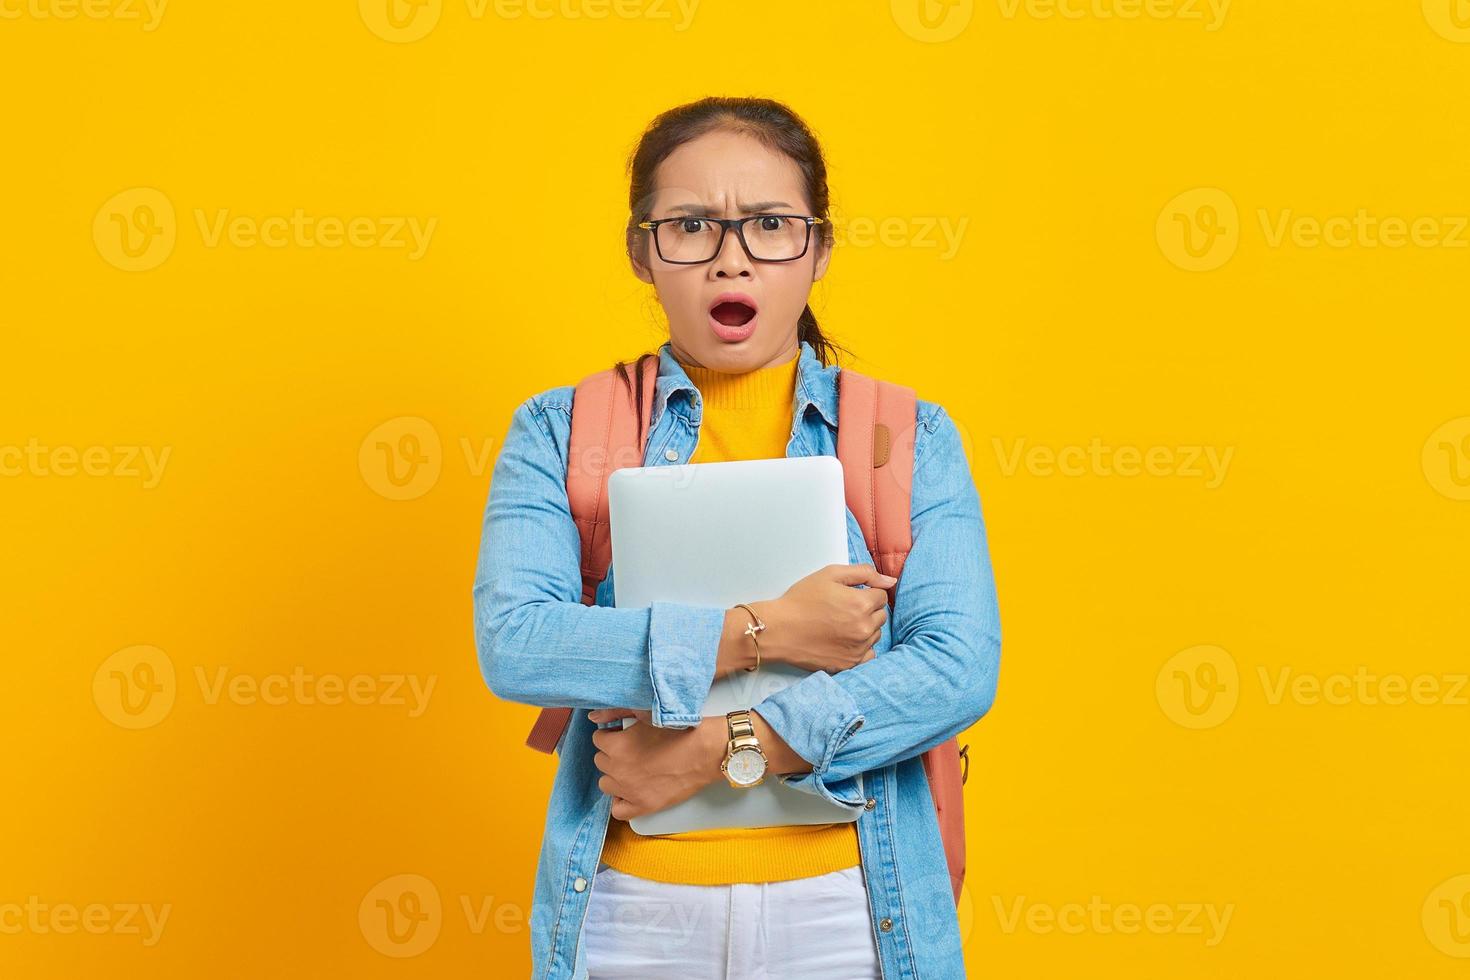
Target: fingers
[(864, 574), (600, 715)]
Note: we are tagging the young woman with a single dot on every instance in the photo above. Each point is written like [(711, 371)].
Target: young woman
[(729, 223)]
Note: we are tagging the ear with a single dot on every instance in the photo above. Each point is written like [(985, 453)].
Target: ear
[(643, 272), (824, 258)]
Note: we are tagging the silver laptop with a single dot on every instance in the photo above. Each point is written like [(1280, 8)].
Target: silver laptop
[(716, 534)]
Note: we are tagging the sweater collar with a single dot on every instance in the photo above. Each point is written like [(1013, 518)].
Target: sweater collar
[(816, 385)]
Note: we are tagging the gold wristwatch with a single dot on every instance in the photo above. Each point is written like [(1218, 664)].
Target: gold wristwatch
[(744, 764)]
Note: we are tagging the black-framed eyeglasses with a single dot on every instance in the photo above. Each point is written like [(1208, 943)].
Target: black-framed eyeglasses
[(692, 239)]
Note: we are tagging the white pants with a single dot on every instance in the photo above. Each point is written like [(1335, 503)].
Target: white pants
[(815, 928)]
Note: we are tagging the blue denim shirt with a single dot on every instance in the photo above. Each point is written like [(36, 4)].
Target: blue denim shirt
[(933, 675)]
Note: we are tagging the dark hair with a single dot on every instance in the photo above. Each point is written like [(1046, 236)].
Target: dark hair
[(775, 125)]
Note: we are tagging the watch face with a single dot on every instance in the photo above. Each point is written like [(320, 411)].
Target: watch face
[(745, 767)]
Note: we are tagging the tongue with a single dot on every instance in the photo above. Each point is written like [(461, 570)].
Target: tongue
[(732, 314)]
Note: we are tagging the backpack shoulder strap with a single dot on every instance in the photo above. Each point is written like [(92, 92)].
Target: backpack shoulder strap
[(876, 423), (604, 438)]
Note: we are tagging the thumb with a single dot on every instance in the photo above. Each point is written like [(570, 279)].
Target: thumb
[(864, 574)]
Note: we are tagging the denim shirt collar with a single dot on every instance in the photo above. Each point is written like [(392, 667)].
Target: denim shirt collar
[(816, 386)]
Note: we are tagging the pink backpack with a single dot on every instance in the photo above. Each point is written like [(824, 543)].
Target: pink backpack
[(876, 427)]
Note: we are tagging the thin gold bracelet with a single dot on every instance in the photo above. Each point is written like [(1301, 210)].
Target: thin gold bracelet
[(751, 629)]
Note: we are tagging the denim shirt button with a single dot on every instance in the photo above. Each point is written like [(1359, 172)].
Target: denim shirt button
[(670, 455), (886, 924), (580, 884), (869, 803)]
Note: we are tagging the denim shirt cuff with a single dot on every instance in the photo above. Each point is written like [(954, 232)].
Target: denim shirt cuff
[(816, 716), (683, 642)]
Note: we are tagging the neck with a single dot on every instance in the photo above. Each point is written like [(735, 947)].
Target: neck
[(764, 387)]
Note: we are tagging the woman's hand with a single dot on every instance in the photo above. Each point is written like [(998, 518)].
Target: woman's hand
[(646, 768), (823, 623)]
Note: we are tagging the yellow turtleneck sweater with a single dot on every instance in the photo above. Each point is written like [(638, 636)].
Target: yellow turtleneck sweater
[(745, 416)]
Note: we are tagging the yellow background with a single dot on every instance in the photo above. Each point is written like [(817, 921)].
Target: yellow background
[(1073, 150)]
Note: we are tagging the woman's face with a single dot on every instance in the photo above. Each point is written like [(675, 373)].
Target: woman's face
[(728, 175)]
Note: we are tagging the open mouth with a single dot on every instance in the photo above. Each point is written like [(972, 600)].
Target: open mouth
[(733, 313)]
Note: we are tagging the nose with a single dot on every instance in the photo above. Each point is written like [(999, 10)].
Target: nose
[(731, 260)]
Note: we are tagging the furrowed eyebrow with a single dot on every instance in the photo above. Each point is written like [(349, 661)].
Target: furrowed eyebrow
[(699, 210)]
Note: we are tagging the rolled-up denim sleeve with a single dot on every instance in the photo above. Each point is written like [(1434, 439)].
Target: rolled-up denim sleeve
[(817, 721), (538, 643), (939, 675)]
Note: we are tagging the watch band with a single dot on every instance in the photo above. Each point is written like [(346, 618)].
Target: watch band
[(751, 630), (739, 724)]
